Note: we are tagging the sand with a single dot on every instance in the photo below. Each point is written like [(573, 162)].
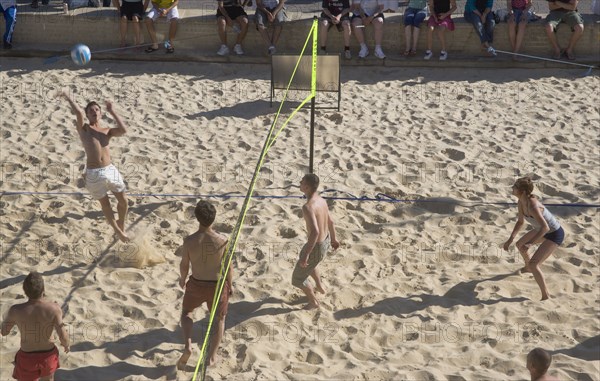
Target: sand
[(419, 290)]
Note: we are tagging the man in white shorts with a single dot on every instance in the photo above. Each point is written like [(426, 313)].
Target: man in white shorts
[(162, 8), (100, 175)]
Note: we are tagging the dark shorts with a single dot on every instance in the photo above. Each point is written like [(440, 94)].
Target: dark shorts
[(33, 365), (357, 16), (571, 18), (233, 12), (130, 9), (199, 291), (325, 18), (557, 236), (414, 17)]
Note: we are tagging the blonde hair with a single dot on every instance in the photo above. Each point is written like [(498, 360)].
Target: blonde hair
[(524, 184)]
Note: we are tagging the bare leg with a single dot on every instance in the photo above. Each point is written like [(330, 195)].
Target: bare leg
[(520, 36), (243, 21), (553, 40), (442, 37), (276, 33), (429, 38), (108, 214), (378, 27), (520, 246), (216, 340), (323, 29), (172, 30), (122, 208), (542, 253), (415, 38), (512, 35), (47, 378), (123, 30), (319, 286), (312, 299), (221, 25), (407, 37), (346, 27), (187, 324), (575, 36), (265, 35), (152, 32), (136, 30), (358, 32)]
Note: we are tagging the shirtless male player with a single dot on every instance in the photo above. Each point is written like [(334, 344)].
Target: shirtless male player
[(100, 175), (36, 319), (321, 234)]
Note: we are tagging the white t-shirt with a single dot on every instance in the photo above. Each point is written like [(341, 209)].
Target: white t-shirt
[(370, 7), (8, 3)]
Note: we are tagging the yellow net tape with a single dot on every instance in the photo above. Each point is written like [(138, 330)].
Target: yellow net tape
[(269, 141)]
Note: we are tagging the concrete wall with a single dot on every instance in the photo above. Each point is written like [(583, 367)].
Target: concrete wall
[(98, 28)]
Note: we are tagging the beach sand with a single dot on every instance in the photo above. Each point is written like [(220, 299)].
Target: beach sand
[(419, 290)]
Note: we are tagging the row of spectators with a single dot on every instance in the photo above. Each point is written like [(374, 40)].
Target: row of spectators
[(348, 18)]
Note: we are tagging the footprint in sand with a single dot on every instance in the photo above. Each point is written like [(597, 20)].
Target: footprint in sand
[(454, 154)]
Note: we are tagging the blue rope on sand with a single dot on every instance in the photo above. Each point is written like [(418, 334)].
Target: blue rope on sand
[(379, 197)]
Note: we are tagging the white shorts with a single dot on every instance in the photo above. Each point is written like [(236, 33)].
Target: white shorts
[(154, 14), (99, 181)]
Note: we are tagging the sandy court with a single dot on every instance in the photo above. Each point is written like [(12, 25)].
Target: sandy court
[(419, 290)]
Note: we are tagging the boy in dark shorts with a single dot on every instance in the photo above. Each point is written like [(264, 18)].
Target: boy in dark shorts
[(231, 13), (336, 12), (130, 10), (564, 11)]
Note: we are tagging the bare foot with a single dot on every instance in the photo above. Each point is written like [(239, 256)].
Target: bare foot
[(181, 363), (546, 297), (121, 225), (311, 306), (525, 270), (123, 237), (212, 360), (319, 289)]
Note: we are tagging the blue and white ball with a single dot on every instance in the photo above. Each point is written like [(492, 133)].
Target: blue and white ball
[(80, 54)]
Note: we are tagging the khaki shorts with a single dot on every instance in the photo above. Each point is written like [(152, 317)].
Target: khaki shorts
[(571, 18), (301, 274)]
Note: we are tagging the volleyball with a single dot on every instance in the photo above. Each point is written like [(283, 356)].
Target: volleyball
[(80, 54)]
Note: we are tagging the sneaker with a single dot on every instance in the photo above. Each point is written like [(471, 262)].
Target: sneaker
[(223, 50), (428, 55), (491, 51), (364, 51), (379, 53), (443, 55), (238, 50), (272, 50), (347, 54)]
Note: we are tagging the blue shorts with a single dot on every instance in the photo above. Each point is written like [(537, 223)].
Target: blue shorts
[(520, 14), (414, 17), (557, 236)]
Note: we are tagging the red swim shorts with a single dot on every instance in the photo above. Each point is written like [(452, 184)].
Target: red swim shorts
[(198, 292), (30, 366)]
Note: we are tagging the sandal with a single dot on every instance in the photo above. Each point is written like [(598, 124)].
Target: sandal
[(406, 53), (412, 53), (570, 55), (150, 49), (170, 50)]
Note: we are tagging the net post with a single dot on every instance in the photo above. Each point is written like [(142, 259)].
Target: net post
[(313, 90)]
